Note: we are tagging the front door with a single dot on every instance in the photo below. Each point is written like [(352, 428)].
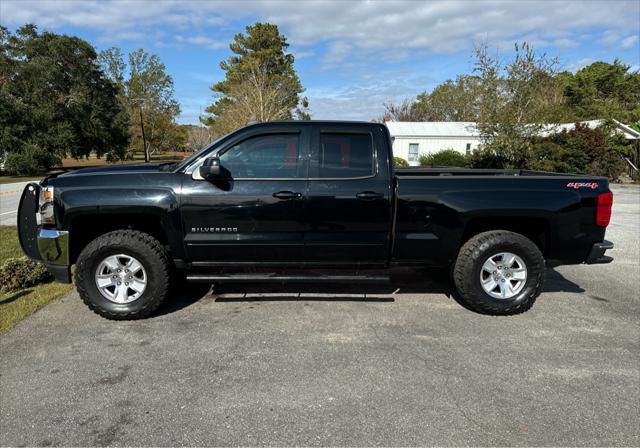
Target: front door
[(255, 214), (348, 204)]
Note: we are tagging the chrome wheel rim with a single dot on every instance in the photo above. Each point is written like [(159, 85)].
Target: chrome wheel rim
[(121, 278), (503, 275)]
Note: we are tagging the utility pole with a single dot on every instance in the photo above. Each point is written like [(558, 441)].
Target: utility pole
[(144, 138)]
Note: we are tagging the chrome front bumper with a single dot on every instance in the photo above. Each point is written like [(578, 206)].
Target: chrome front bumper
[(50, 246), (53, 246)]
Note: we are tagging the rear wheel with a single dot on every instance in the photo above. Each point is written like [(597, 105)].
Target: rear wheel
[(499, 272), (123, 275)]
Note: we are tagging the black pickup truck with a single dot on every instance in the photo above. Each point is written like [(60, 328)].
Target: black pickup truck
[(308, 201)]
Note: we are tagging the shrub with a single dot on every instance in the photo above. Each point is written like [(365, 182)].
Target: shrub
[(400, 162), (579, 150), (487, 159), (30, 161), (19, 273), (590, 151), (550, 156), (448, 157)]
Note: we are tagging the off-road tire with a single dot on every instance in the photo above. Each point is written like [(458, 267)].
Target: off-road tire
[(472, 255), (147, 250)]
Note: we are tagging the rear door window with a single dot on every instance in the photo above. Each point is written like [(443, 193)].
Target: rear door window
[(345, 155)]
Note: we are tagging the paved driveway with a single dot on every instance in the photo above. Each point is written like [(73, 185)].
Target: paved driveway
[(9, 200), (305, 367)]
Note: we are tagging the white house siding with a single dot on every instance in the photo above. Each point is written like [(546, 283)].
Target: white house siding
[(435, 136), (430, 145), (432, 136)]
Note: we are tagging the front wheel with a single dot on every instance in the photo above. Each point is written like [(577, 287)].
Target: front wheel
[(123, 275), (499, 273)]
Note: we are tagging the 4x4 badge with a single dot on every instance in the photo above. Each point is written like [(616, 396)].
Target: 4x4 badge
[(576, 185)]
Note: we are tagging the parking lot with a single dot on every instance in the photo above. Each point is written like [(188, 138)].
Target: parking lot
[(278, 365)]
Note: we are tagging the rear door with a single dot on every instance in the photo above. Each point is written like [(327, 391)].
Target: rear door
[(256, 214), (348, 206)]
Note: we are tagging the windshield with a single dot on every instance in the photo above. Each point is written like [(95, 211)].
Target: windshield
[(199, 153)]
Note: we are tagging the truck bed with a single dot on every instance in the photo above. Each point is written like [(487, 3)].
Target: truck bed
[(436, 206)]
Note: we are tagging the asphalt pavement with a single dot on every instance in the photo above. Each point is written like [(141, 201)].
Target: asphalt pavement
[(277, 365), (9, 199)]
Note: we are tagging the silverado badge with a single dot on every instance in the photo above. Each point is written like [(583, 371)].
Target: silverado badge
[(213, 229)]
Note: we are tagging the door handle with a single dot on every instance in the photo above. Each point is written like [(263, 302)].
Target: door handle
[(369, 195), (287, 195)]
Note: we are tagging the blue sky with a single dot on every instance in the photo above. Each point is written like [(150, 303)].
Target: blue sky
[(352, 56)]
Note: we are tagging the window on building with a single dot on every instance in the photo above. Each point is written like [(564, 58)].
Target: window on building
[(414, 152), (468, 148)]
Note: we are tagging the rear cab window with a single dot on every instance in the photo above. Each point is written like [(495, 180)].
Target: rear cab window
[(344, 155)]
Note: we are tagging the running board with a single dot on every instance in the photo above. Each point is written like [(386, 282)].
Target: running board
[(258, 278)]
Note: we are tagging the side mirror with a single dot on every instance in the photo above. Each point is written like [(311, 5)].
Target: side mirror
[(210, 168)]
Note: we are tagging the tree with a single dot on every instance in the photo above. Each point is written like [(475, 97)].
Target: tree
[(197, 136), (260, 84), (450, 101), (603, 90), (516, 101), (147, 92), (402, 111), (579, 150), (55, 101)]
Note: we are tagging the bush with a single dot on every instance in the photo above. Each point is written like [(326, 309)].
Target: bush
[(487, 159), (20, 273), (448, 157), (580, 150), (585, 150), (549, 156), (399, 162), (30, 161)]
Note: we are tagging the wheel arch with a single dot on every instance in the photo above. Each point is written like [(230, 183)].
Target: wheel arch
[(537, 229), (85, 227)]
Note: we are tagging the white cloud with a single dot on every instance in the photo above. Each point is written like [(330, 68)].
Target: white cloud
[(302, 54), (204, 41), (437, 26), (629, 42), (362, 101), (337, 53), (580, 64)]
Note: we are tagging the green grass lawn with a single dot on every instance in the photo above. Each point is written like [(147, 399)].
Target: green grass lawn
[(12, 179), (16, 305), (9, 245)]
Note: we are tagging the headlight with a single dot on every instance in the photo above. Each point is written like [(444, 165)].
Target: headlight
[(46, 206)]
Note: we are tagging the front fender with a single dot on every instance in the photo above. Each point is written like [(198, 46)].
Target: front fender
[(157, 203)]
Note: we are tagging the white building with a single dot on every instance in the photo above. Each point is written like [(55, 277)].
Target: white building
[(413, 139)]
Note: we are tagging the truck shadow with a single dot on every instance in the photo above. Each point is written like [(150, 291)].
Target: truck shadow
[(556, 282), (430, 281)]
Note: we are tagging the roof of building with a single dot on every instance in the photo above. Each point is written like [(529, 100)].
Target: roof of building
[(433, 129), (468, 129), (559, 127)]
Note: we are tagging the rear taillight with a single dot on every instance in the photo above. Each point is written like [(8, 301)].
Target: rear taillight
[(603, 212)]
